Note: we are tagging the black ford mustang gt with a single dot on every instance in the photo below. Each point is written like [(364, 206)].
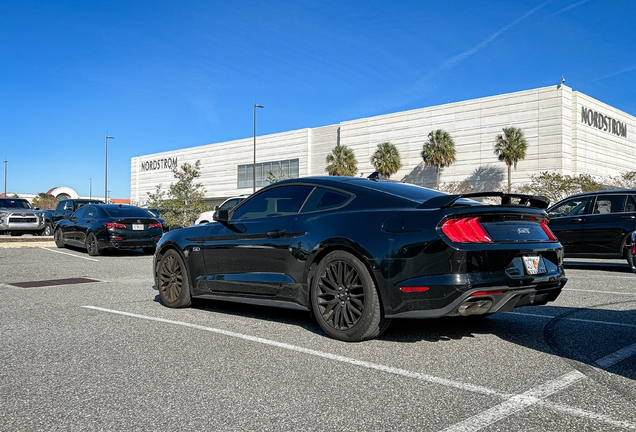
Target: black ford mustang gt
[(358, 252)]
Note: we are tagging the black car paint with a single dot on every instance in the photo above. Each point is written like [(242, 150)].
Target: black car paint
[(78, 226), (399, 244)]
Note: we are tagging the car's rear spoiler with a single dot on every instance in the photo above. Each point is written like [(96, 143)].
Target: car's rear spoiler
[(442, 201)]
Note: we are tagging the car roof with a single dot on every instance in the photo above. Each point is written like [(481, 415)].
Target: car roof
[(403, 190)]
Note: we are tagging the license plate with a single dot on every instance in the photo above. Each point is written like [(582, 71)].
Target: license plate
[(138, 227), (534, 264)]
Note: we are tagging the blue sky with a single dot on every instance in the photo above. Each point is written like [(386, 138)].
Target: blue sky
[(163, 75)]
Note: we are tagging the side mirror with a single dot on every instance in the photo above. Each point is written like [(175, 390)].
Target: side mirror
[(221, 216), (216, 207)]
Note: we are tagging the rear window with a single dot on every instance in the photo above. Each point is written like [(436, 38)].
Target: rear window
[(123, 212), (403, 190), (323, 199)]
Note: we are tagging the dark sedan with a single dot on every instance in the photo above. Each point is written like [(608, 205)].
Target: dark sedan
[(595, 224), (109, 226), (358, 252)]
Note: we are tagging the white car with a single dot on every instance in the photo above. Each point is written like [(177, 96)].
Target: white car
[(228, 205)]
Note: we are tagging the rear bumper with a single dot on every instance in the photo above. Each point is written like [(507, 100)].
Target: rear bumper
[(479, 301), (130, 243)]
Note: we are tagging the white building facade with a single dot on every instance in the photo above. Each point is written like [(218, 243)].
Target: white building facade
[(567, 132)]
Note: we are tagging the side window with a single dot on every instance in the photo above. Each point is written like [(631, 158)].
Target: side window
[(280, 201), (572, 207), (90, 212), (630, 205), (609, 204), (324, 199), (230, 204), (80, 213), (60, 206)]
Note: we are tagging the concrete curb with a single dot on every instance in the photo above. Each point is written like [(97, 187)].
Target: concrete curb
[(15, 244)]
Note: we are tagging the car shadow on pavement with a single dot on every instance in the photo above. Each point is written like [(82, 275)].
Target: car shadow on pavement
[(580, 336)]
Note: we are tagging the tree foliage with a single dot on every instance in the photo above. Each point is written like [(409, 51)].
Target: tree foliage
[(341, 162), (511, 147), (557, 186), (44, 201), (439, 151), (280, 175), (183, 201), (386, 159), (626, 180)]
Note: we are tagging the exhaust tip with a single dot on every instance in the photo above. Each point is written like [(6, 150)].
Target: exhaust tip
[(478, 307)]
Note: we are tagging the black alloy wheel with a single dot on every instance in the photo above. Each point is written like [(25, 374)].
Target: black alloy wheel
[(57, 236), (345, 300), (92, 246), (172, 280)]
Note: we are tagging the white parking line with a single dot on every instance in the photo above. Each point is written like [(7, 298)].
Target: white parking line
[(611, 323), (601, 292), (69, 254), (509, 406)]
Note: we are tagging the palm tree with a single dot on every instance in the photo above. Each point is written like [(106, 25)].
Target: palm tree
[(341, 162), (511, 147), (439, 151), (386, 159)]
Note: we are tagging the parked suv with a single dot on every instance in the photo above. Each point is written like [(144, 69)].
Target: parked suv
[(228, 205), (18, 217), (595, 224)]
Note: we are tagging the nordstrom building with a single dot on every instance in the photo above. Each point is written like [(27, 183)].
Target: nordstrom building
[(567, 132)]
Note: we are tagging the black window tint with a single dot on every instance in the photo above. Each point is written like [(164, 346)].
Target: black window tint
[(80, 213), (278, 201), (230, 204), (91, 212), (630, 205), (323, 199), (572, 207)]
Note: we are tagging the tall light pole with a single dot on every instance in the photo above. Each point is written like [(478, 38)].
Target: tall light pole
[(5, 178), (254, 166), (106, 170)]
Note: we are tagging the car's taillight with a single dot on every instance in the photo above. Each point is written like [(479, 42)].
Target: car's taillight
[(111, 225), (548, 231), (466, 230), (154, 225)]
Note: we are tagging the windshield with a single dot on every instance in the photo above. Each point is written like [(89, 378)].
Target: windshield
[(12, 203)]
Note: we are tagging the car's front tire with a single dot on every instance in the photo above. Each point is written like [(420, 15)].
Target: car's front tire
[(92, 247), (172, 280), (48, 229), (345, 300)]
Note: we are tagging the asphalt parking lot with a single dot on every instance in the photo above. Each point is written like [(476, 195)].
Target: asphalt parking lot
[(102, 353)]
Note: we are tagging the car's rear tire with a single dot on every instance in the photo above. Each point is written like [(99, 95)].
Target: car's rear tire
[(172, 280), (92, 247), (59, 240), (345, 300)]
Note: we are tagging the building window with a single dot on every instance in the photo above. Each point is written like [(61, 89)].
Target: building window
[(245, 180)]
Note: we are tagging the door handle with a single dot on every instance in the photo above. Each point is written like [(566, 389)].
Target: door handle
[(276, 233)]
